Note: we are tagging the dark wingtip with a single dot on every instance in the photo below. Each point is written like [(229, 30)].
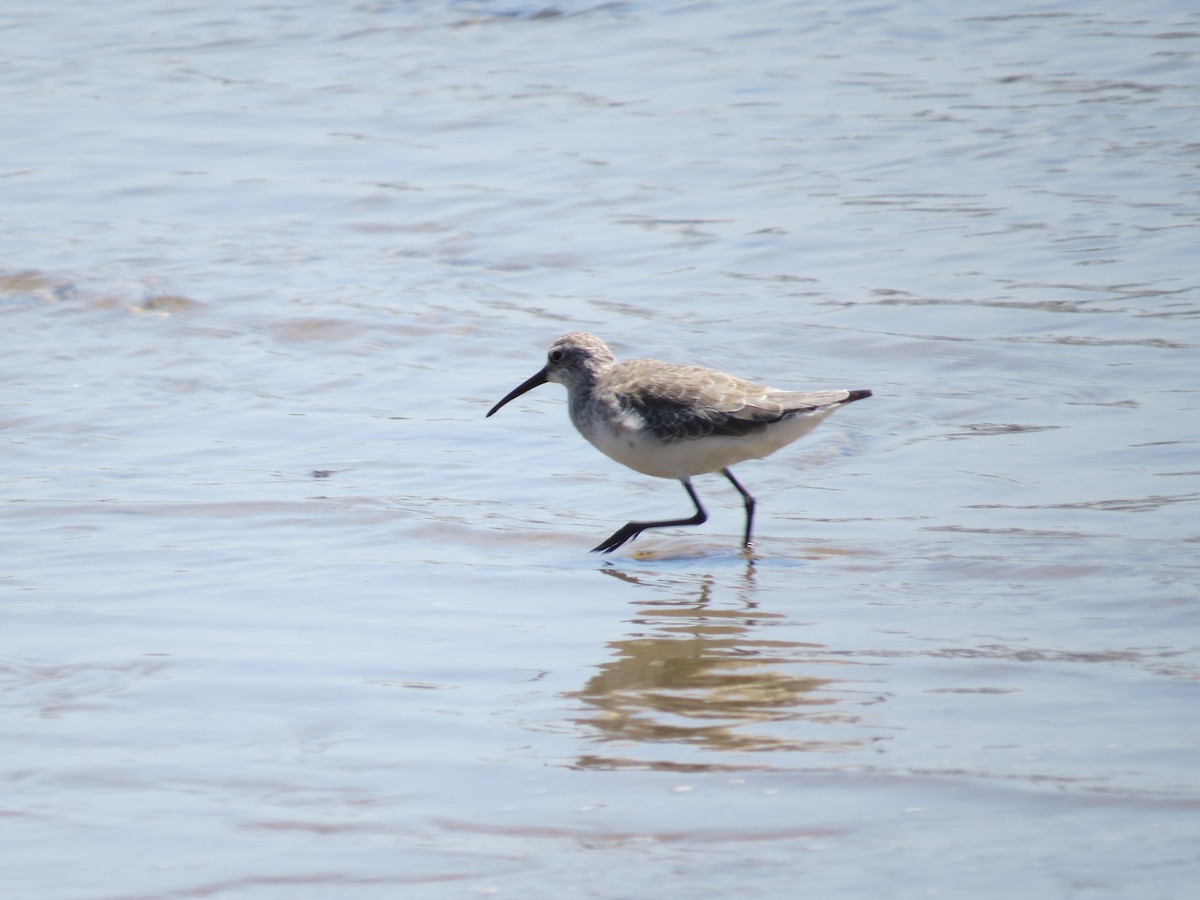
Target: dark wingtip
[(857, 395)]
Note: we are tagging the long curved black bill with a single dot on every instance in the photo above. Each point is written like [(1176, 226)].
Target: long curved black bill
[(539, 378)]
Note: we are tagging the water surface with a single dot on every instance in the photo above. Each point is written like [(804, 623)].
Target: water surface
[(284, 615)]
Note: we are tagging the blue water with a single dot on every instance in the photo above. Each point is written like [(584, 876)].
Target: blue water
[(282, 615)]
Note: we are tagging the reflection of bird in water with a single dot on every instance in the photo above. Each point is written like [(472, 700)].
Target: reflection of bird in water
[(676, 421), (703, 674)]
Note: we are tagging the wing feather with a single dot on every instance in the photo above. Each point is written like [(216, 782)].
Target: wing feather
[(680, 402)]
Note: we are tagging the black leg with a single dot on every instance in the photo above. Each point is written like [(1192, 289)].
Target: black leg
[(631, 530), (749, 505)]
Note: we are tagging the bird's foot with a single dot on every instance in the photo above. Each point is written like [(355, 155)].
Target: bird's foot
[(622, 535)]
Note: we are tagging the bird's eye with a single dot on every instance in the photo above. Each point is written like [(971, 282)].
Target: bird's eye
[(556, 356)]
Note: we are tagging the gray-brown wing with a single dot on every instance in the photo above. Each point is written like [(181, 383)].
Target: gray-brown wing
[(679, 402)]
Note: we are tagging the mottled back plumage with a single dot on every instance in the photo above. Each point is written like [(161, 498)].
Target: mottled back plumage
[(680, 401)]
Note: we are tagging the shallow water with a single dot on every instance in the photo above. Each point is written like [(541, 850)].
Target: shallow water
[(284, 615)]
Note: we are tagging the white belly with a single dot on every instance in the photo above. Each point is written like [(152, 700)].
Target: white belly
[(629, 443)]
